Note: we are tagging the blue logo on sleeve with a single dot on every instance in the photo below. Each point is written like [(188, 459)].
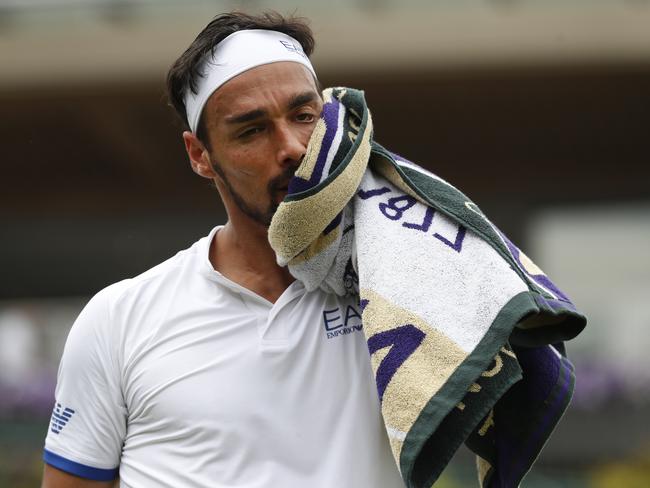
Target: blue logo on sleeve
[(60, 418)]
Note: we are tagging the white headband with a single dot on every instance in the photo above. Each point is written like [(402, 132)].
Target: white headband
[(239, 52)]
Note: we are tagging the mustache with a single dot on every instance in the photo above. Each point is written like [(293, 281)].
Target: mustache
[(281, 181)]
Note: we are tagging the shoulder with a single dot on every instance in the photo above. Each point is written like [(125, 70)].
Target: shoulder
[(183, 265), (119, 301)]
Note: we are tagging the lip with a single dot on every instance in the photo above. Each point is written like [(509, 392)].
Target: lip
[(280, 193)]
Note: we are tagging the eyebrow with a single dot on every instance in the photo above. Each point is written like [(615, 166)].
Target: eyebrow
[(302, 99), (295, 102)]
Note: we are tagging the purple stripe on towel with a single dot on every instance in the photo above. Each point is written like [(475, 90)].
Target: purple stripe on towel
[(547, 303), (541, 371), (331, 117), (549, 285), (559, 401), (333, 224), (551, 417), (403, 341), (547, 380), (540, 279), (298, 185)]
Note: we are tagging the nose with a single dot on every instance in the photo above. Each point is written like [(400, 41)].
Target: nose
[(291, 146)]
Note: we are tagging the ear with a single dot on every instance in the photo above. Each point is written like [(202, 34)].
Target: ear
[(198, 155)]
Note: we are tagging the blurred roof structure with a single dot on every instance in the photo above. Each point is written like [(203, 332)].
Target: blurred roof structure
[(58, 41)]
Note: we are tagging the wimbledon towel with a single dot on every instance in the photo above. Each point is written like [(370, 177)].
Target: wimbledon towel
[(464, 331)]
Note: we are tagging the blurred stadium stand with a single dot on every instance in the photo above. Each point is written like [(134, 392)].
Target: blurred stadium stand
[(538, 110)]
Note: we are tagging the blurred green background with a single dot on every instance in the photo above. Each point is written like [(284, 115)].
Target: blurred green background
[(539, 110)]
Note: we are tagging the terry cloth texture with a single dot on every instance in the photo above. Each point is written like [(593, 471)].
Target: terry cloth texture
[(464, 331)]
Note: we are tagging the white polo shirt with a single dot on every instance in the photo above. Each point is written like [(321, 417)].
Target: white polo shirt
[(182, 378)]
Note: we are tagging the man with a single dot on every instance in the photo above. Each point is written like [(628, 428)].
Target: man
[(213, 368)]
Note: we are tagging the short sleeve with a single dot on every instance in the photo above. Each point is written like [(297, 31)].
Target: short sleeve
[(88, 423)]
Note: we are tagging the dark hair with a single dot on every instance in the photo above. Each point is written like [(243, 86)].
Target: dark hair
[(185, 70)]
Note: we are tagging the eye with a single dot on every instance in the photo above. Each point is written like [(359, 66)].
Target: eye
[(250, 132), (306, 117)]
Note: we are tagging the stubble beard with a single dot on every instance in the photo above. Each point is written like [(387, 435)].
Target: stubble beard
[(273, 188)]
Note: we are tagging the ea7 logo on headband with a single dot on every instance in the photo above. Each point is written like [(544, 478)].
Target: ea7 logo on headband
[(290, 46)]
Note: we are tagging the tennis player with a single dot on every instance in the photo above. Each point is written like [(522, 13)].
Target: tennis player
[(216, 368)]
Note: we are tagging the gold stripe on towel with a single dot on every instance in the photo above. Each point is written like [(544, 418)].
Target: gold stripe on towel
[(316, 247), (421, 375)]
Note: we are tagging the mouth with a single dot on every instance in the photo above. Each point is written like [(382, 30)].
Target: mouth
[(280, 192), (284, 188), (280, 186)]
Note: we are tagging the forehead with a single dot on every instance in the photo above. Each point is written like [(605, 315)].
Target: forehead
[(264, 87)]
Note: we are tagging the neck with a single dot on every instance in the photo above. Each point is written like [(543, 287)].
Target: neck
[(243, 255)]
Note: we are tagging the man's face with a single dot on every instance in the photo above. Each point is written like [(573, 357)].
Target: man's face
[(258, 125)]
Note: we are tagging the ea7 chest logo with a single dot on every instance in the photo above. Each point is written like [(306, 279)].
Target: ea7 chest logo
[(341, 321)]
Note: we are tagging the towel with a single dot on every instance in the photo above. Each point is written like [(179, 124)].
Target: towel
[(465, 333)]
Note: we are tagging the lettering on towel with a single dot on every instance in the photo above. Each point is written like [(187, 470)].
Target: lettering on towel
[(403, 341), (394, 209)]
